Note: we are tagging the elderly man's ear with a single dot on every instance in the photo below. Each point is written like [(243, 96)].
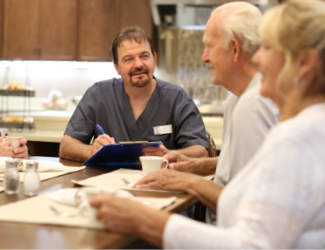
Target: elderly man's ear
[(235, 49)]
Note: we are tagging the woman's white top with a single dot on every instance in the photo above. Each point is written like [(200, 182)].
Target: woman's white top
[(276, 201)]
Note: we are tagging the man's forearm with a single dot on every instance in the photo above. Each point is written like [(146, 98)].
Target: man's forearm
[(205, 166), (195, 151), (73, 149)]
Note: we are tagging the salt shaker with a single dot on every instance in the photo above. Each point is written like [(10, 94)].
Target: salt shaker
[(31, 178), (11, 180)]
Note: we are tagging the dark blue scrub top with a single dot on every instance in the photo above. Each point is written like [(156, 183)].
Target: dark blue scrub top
[(106, 103)]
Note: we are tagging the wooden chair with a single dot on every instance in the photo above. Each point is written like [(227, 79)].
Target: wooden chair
[(199, 208), (212, 146)]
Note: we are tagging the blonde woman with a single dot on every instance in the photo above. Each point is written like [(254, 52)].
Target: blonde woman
[(278, 199)]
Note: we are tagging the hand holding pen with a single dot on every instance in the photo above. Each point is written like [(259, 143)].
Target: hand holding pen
[(110, 140), (101, 140)]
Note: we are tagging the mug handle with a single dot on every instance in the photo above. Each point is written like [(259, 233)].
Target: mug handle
[(166, 163)]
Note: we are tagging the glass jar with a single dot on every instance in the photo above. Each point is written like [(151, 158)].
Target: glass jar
[(31, 179), (11, 180)]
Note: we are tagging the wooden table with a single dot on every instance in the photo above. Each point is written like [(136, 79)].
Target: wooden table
[(33, 236)]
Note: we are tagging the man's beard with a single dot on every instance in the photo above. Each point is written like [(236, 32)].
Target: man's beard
[(140, 82)]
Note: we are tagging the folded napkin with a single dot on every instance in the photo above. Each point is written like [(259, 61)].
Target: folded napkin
[(65, 196), (76, 196), (43, 166)]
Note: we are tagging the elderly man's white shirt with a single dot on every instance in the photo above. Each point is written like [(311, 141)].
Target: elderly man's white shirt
[(247, 121), (276, 201)]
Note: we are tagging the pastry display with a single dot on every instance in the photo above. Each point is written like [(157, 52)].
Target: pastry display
[(17, 119), (14, 85), (15, 89)]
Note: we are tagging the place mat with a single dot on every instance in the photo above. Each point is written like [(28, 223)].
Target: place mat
[(51, 174), (36, 210), (113, 180)]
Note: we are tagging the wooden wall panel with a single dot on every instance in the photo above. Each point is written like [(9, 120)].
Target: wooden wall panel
[(135, 13), (58, 29), (20, 33), (97, 29)]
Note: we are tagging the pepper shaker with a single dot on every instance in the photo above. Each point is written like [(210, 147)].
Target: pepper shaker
[(31, 179), (11, 180)]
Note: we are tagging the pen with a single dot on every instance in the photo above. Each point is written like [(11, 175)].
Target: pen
[(100, 129)]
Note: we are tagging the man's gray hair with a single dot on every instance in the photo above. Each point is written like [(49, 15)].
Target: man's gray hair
[(240, 20)]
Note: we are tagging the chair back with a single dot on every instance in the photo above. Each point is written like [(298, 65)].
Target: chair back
[(212, 146)]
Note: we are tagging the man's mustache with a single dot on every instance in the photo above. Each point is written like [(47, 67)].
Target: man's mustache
[(139, 71)]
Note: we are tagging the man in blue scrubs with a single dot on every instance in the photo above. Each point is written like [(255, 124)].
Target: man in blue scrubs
[(136, 107)]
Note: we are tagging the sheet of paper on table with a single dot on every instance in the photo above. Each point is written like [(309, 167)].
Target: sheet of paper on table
[(113, 180)]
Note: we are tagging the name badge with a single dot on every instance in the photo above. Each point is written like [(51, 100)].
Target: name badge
[(162, 130)]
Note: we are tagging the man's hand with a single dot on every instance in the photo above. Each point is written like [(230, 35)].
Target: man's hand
[(155, 151), (165, 179), (100, 141), (180, 162), (201, 166), (22, 151)]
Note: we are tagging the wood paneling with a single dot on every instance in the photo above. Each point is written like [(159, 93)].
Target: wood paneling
[(39, 148), (58, 29), (135, 13), (40, 29), (20, 33), (1, 27), (68, 29), (97, 29)]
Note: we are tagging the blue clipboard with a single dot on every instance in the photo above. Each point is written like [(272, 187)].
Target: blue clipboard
[(122, 155)]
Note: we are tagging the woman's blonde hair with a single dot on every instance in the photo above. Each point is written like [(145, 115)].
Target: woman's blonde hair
[(294, 26)]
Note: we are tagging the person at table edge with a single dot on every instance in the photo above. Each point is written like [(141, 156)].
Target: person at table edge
[(6, 150), (136, 107)]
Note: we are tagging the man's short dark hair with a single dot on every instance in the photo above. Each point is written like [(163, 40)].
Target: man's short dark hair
[(130, 33)]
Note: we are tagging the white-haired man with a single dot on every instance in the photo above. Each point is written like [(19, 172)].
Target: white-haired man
[(231, 39)]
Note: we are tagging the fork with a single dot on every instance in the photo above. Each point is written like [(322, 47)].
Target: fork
[(127, 182), (61, 213)]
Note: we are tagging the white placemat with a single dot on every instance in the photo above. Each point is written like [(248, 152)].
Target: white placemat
[(37, 210), (113, 180)]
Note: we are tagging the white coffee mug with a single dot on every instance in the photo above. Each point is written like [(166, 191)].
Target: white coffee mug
[(15, 140), (152, 163)]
